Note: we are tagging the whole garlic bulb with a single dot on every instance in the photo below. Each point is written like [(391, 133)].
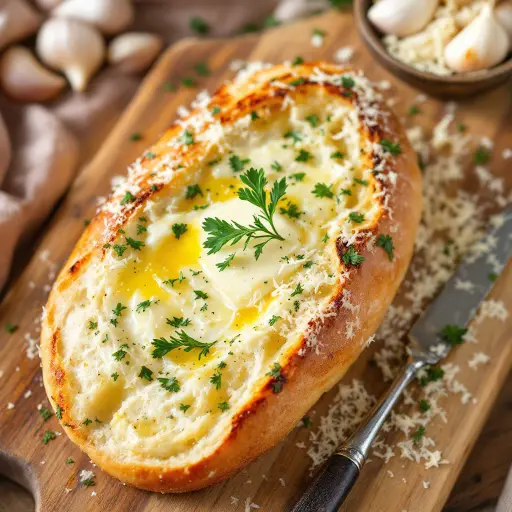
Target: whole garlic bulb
[(24, 79), (18, 20), (402, 17), (504, 16), (480, 45), (73, 47), (109, 16), (134, 51)]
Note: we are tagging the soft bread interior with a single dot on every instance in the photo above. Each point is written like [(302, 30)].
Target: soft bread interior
[(257, 311)]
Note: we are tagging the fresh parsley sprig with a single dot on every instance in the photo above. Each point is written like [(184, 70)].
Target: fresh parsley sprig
[(222, 232), (163, 346)]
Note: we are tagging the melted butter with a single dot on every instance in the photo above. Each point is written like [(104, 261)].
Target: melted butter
[(163, 262)]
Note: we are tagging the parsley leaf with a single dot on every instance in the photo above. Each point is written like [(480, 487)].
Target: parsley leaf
[(48, 436), (179, 280), (221, 232), (453, 334), (356, 217), (293, 135), (45, 413), (58, 412), (216, 379), (298, 290), (200, 294), (11, 328), (223, 406), (348, 82), (128, 198), (297, 61), (418, 435), (237, 164), (178, 321), (278, 378), (323, 190), (142, 306), (187, 138), (352, 257), (134, 244), (146, 373), (199, 25), (184, 407), (391, 147), (223, 265), (313, 120), (276, 166), (386, 242), (171, 384), (481, 156), (303, 156), (202, 69), (292, 211), (273, 320), (193, 191), (121, 353), (162, 346), (338, 154), (424, 405), (179, 230)]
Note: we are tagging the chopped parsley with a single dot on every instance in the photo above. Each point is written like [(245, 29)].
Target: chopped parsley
[(221, 232), (134, 244), (86, 422), (128, 198), (306, 421), (200, 294), (179, 230), (178, 321), (216, 110), (45, 413), (356, 217), (292, 210), (298, 176), (199, 25), (141, 229), (298, 290), (237, 164), (297, 61), (188, 82), (323, 190), (187, 138), (278, 378), (117, 313), (386, 242), (179, 280), (223, 406), (348, 82), (184, 407), (58, 412), (297, 81), (313, 120), (418, 435), (93, 325), (171, 384), (461, 127), (254, 115), (364, 183), (162, 346), (453, 334), (49, 435), (424, 405), (146, 373), (303, 156), (11, 328), (202, 69), (193, 191), (352, 257), (492, 276), (391, 147), (216, 379), (142, 306), (273, 320), (414, 110), (481, 156), (295, 136), (121, 353), (134, 137), (338, 154), (223, 265), (69, 460), (432, 374), (115, 376), (276, 166)]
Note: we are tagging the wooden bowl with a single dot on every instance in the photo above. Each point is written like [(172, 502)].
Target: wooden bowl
[(453, 86)]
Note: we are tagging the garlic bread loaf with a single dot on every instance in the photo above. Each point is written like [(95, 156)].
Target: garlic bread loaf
[(233, 277)]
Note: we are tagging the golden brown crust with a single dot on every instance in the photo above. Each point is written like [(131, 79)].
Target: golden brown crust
[(308, 372)]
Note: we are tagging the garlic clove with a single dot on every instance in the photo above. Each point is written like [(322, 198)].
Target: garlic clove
[(24, 79), (18, 20), (504, 15), (109, 16), (47, 5), (134, 51), (480, 45), (75, 48), (402, 17), (289, 10)]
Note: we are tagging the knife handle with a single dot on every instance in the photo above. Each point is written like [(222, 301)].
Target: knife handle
[(330, 487)]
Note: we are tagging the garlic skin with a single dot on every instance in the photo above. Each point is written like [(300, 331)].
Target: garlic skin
[(47, 5), (134, 52), (481, 45), (401, 17), (73, 47), (504, 16), (109, 16), (24, 79), (18, 20)]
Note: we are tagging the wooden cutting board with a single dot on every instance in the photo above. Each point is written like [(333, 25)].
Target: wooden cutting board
[(274, 481)]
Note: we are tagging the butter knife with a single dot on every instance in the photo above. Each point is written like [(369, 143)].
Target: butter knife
[(426, 347)]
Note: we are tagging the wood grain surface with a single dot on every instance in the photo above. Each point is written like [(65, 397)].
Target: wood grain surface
[(275, 480)]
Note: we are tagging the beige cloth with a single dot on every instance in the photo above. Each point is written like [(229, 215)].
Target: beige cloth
[(43, 146)]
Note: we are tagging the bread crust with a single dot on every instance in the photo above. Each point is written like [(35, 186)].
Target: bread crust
[(308, 372)]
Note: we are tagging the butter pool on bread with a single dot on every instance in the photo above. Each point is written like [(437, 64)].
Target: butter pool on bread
[(233, 277)]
